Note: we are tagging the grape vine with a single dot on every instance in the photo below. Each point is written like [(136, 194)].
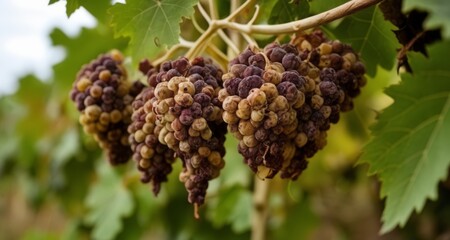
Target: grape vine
[(278, 100)]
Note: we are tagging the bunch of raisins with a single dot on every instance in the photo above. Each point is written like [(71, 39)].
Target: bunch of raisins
[(337, 62), (103, 95), (280, 102), (154, 159), (186, 117), (261, 95)]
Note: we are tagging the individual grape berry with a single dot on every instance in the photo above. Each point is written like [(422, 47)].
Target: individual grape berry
[(244, 56), (187, 108), (257, 60), (276, 54), (291, 61), (145, 66), (103, 96), (307, 42)]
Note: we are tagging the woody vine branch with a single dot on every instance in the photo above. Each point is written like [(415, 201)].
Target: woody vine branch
[(216, 25)]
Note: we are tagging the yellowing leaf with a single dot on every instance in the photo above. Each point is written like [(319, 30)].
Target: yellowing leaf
[(151, 25), (410, 151)]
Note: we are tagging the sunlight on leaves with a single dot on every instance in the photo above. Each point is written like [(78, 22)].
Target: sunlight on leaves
[(410, 150), (148, 23)]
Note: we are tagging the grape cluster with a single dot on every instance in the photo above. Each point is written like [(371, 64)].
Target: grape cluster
[(182, 105), (336, 60), (154, 159), (280, 102), (103, 95)]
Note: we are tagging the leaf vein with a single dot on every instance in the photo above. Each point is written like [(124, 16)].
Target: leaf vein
[(425, 153), (412, 132), (424, 99)]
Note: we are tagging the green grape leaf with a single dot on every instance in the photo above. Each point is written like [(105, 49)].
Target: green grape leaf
[(71, 180), (151, 25), (133, 228), (286, 11), (97, 8), (265, 8), (30, 95), (241, 214), (409, 151), (9, 145), (318, 6), (234, 173), (300, 221), (80, 50), (147, 205), (72, 6), (109, 201), (439, 13), (233, 207), (10, 114), (67, 147), (371, 36)]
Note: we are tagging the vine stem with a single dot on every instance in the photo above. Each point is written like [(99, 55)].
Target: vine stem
[(182, 44), (338, 12), (260, 209), (234, 35), (212, 9), (201, 41), (213, 27), (247, 38), (217, 55), (222, 34), (239, 10)]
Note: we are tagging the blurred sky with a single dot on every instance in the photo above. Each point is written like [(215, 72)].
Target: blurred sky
[(24, 43)]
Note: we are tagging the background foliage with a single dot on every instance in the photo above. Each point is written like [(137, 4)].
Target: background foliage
[(56, 184)]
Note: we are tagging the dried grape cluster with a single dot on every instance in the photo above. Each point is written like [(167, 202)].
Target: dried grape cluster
[(336, 60), (154, 159), (180, 113), (103, 95), (280, 102)]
